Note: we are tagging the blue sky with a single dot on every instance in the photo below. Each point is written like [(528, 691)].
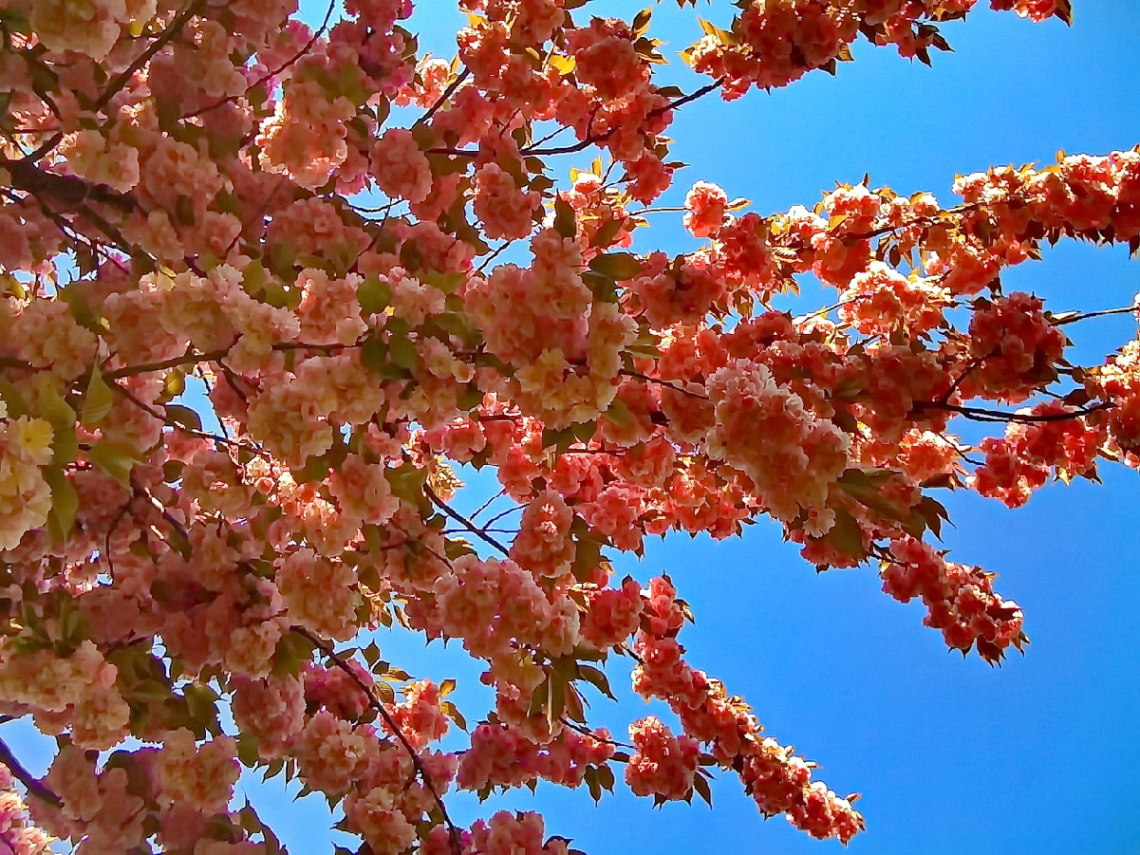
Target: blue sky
[(1040, 756)]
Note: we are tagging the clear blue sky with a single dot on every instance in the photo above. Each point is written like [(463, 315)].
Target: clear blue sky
[(1040, 756)]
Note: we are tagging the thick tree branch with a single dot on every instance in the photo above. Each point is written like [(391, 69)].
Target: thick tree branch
[(32, 784)]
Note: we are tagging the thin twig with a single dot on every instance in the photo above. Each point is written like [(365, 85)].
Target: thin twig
[(495, 254), (195, 357), (378, 706), (488, 503), (271, 74), (667, 384), (980, 414), (442, 99), (505, 513), (121, 79), (585, 731), (462, 520), (590, 138), (1061, 320)]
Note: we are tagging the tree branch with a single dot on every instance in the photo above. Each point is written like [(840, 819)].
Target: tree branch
[(592, 139), (120, 80), (32, 784), (442, 99), (1072, 317), (273, 73), (980, 414), (463, 521), (378, 706)]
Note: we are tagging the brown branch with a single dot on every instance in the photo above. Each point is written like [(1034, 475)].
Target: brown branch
[(252, 448), (173, 362), (45, 147), (585, 731), (217, 356), (13, 362), (378, 706), (505, 513), (442, 99), (1072, 317), (980, 414), (667, 384), (463, 521), (69, 190), (917, 221), (591, 139), (32, 784), (120, 80), (652, 114), (488, 503), (271, 74)]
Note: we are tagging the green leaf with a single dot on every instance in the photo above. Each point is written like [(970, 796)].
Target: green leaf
[(559, 440), (597, 678), (619, 414), (61, 417), (176, 414), (587, 557), (617, 265), (292, 651), (80, 309), (402, 352), (865, 487), (564, 220), (452, 712), (64, 502), (641, 21), (374, 354), (538, 701), (115, 459), (846, 536), (606, 777), (701, 785), (591, 778), (407, 482), (374, 295), (98, 400)]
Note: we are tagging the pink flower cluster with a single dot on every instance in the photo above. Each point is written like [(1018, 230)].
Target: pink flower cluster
[(1023, 459), (22, 836), (778, 780), (960, 599), (501, 756), (494, 605), (196, 184), (775, 42), (765, 430), (663, 765)]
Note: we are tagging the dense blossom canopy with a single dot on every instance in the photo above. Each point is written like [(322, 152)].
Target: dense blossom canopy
[(254, 317)]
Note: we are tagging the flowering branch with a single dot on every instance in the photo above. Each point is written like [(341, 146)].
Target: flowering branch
[(147, 55), (981, 414), (382, 711)]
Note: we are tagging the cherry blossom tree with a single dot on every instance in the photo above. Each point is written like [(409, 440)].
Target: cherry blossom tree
[(258, 319)]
